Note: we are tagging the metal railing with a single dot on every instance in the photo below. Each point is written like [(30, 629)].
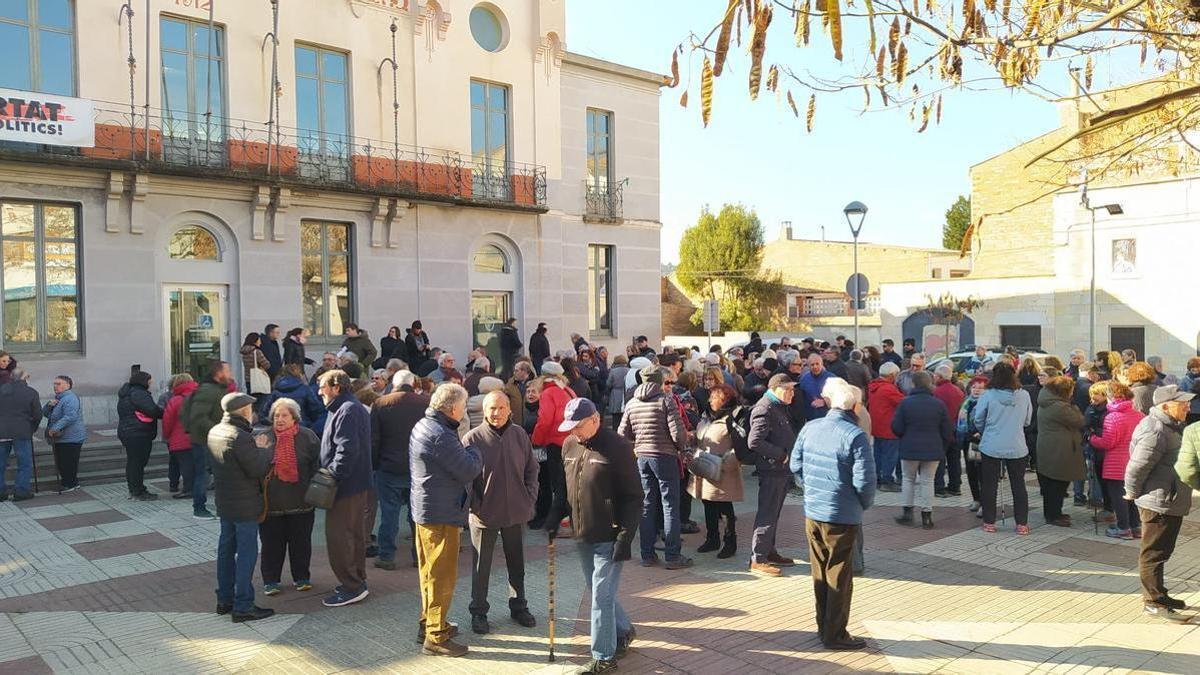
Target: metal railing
[(832, 305), (605, 202), (173, 142)]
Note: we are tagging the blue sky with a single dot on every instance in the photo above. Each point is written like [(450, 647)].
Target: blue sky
[(756, 153)]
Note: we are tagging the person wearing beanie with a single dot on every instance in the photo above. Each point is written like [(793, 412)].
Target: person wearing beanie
[(238, 466)]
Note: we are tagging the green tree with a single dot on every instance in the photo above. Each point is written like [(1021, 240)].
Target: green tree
[(958, 219), (720, 258)]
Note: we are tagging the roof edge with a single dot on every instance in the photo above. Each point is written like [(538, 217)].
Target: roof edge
[(613, 68)]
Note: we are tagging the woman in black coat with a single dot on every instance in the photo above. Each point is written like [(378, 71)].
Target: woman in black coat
[(417, 348), (137, 426), (293, 348), (391, 346)]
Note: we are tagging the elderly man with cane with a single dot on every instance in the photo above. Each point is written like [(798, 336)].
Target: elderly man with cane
[(605, 495), (502, 498), (835, 461)]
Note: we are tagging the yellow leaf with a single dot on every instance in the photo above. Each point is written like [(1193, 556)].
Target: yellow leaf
[(1087, 72), (674, 79), (900, 65), (924, 118), (871, 24), (722, 49), (802, 24), (812, 105), (706, 91), (879, 62), (773, 78), (683, 100), (758, 45), (835, 26), (792, 102), (894, 37)]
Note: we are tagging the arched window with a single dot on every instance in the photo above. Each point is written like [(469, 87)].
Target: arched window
[(490, 259), (193, 243)]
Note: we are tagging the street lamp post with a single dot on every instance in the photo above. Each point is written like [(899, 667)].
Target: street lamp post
[(855, 210), (1112, 210)]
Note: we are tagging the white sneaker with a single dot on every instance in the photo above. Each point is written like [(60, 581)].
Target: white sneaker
[(974, 507), (66, 490)]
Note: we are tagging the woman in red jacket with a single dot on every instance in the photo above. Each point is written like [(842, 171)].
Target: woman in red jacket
[(882, 398), (175, 434), (552, 481), (1113, 441)]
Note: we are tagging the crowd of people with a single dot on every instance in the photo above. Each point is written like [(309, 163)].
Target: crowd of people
[(495, 449)]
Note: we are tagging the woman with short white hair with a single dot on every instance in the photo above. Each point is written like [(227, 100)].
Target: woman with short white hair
[(287, 529)]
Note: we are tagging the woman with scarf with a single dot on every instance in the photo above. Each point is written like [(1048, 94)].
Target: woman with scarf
[(713, 437), (287, 530)]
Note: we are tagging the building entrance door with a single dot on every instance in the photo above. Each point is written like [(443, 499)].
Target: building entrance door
[(196, 328), (489, 310)]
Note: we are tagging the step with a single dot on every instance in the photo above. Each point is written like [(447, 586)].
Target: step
[(100, 462)]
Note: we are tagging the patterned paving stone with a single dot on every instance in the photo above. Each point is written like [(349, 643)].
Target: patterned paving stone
[(138, 543), (77, 520)]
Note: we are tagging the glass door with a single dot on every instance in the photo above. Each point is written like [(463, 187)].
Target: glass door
[(489, 309), (196, 328)]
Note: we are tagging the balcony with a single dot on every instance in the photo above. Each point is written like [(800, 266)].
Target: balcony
[(224, 148), (829, 305), (604, 203)]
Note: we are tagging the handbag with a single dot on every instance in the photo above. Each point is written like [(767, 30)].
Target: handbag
[(322, 490), (260, 382), (539, 454), (706, 465), (973, 454), (266, 481)]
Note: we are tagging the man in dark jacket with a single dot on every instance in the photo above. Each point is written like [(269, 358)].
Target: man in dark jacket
[(442, 469), (201, 412), (924, 429), (811, 383), (346, 453), (502, 500), (858, 373), (539, 347), (20, 415), (653, 424), (416, 344), (771, 439), (270, 349), (889, 354), (239, 466), (834, 363), (603, 492), (358, 342), (393, 418), (948, 481), (510, 347)]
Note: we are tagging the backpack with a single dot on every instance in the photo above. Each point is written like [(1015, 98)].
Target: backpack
[(738, 422)]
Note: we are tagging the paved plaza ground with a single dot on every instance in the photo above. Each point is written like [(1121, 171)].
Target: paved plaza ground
[(92, 582)]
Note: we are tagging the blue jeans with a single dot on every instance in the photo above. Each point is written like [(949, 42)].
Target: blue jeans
[(603, 576), (199, 477), (394, 491), (887, 455), (660, 485), (237, 553), (24, 450)]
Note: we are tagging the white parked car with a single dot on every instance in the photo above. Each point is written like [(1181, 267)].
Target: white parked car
[(960, 359)]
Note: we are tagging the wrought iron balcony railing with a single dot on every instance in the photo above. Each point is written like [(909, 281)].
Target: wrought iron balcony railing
[(172, 142), (604, 202)]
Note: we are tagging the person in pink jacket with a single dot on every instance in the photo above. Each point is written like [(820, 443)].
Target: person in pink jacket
[(1113, 441), (552, 481), (176, 435)]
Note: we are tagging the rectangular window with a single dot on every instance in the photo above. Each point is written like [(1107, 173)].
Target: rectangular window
[(41, 276), (599, 145), (600, 261), (489, 139), (323, 112), (1128, 337), (39, 45), (1021, 337), (1124, 257), (326, 274), (192, 86)]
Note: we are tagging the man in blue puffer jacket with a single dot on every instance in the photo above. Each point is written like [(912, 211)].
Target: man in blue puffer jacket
[(442, 469), (834, 459)]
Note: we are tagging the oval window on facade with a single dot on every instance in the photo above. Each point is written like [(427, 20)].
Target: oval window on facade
[(194, 243), (487, 27), (490, 259)]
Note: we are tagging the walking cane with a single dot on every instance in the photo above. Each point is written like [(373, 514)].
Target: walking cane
[(33, 458), (1091, 497), (550, 583)]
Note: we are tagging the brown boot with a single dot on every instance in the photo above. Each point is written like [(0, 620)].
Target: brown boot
[(765, 570), (447, 648)]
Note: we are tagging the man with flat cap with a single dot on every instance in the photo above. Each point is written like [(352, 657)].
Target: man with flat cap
[(238, 467), (605, 495), (771, 439)]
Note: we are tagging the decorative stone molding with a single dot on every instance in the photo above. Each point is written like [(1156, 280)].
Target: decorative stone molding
[(137, 205), (551, 46), (432, 20), (112, 211), (397, 212), (283, 200), (258, 218), (379, 218)]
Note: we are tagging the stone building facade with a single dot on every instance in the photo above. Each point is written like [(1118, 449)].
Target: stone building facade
[(444, 161)]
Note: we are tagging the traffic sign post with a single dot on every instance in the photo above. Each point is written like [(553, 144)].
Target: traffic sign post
[(857, 287), (712, 319)]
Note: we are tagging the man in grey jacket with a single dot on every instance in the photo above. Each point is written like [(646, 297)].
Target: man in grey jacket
[(653, 424), (1161, 497), (20, 415), (502, 499), (771, 439)]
